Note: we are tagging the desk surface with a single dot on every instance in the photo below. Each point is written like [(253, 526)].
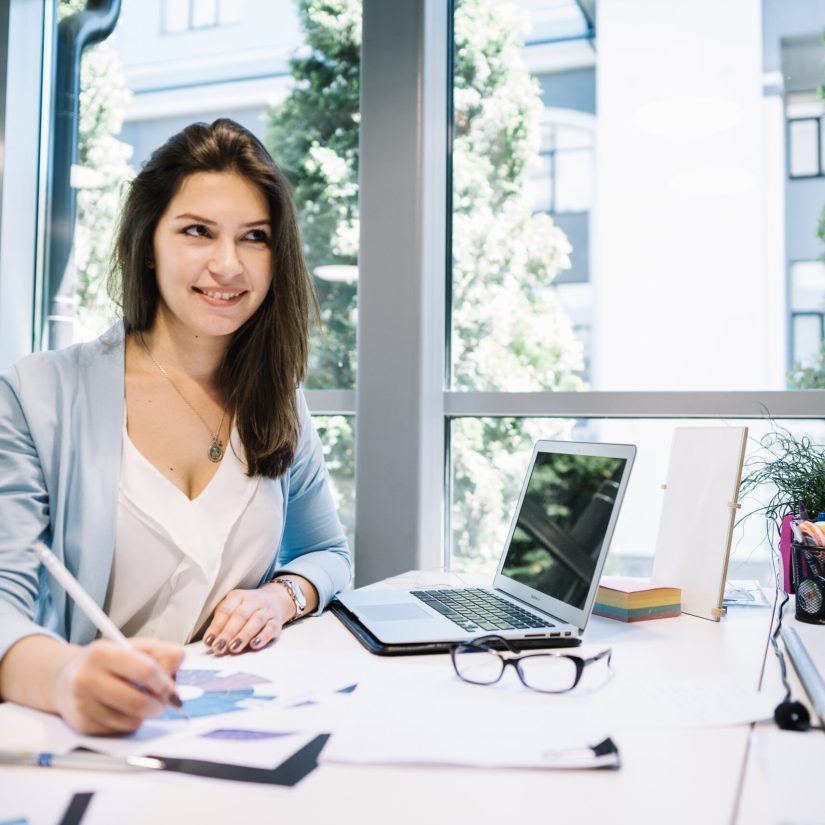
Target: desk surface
[(782, 765), (684, 776)]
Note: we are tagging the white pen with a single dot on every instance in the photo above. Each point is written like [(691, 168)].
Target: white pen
[(81, 761), (88, 605)]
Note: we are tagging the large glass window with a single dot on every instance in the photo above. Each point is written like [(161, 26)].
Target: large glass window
[(490, 458), (625, 235), (615, 225)]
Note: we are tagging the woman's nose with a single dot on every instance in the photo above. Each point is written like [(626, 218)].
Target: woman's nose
[(225, 260)]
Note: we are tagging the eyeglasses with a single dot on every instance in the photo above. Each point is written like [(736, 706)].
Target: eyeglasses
[(478, 663)]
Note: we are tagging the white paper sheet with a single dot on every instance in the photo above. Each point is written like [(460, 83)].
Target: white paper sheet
[(686, 703), (427, 715), (300, 693)]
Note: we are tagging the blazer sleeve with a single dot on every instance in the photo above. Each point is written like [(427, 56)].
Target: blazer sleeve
[(314, 544), (24, 519)]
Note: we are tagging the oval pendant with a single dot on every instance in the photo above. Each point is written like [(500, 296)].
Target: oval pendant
[(215, 451)]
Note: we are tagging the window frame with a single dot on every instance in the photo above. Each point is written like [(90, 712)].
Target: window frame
[(26, 32), (432, 407), (820, 159)]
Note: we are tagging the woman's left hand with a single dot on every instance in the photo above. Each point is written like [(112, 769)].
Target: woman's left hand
[(249, 619)]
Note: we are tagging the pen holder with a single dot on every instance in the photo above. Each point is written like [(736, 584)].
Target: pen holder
[(808, 565)]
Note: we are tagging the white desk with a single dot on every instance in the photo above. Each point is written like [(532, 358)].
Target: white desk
[(782, 766), (686, 776)]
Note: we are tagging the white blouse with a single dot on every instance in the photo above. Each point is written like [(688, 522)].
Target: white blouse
[(176, 558)]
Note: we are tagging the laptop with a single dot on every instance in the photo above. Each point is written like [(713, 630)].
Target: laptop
[(548, 575)]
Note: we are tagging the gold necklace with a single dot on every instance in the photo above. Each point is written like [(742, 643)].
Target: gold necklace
[(215, 451)]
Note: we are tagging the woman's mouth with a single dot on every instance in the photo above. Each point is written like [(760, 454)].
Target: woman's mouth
[(220, 297)]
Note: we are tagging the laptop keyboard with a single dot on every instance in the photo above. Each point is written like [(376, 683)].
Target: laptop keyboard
[(474, 608)]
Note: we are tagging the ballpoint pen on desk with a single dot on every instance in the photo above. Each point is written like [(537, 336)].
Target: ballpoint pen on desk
[(81, 760), (88, 605)]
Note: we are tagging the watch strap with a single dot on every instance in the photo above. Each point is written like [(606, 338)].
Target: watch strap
[(295, 594)]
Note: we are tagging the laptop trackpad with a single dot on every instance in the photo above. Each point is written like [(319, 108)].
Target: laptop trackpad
[(394, 612)]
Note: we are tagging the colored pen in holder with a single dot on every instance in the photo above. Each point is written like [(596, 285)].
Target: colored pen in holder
[(808, 563)]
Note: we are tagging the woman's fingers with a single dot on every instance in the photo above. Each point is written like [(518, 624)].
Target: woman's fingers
[(102, 688), (269, 632), (223, 612), (260, 629), (168, 656), (139, 668), (247, 620)]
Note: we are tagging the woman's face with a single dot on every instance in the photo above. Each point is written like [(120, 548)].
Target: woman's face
[(212, 254)]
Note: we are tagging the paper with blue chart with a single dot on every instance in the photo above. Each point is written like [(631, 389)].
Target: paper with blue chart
[(254, 710)]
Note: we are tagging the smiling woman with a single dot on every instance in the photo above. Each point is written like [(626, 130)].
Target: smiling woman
[(212, 251), (190, 539)]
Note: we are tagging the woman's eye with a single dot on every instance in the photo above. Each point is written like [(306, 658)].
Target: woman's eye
[(197, 230), (258, 236)]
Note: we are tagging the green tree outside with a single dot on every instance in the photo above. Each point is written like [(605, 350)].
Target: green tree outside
[(313, 135), (509, 330)]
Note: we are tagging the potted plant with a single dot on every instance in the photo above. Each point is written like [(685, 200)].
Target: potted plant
[(795, 469)]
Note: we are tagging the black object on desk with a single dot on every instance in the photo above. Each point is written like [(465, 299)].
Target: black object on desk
[(289, 773), (77, 809)]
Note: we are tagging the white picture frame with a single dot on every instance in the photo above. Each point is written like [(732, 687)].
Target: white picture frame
[(699, 504)]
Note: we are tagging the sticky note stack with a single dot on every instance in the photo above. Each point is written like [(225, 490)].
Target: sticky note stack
[(636, 600)]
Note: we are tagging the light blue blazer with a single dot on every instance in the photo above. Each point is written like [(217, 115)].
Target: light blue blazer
[(61, 438)]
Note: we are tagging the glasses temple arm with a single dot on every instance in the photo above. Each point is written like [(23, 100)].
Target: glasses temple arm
[(608, 652)]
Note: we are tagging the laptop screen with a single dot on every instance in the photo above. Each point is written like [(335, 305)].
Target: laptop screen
[(562, 523)]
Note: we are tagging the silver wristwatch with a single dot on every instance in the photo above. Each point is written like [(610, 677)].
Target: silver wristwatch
[(296, 594)]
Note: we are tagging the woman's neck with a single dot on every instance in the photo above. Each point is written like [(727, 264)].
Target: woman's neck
[(182, 351)]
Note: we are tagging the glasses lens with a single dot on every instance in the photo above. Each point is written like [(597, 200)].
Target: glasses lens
[(547, 672), (478, 666)]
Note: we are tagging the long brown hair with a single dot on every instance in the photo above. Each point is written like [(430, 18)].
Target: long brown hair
[(267, 357)]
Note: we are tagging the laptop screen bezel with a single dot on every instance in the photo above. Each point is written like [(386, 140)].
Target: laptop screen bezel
[(557, 608)]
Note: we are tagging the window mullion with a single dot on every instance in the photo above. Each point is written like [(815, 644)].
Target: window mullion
[(805, 405)]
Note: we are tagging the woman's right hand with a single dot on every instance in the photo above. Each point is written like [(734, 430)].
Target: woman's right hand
[(101, 688)]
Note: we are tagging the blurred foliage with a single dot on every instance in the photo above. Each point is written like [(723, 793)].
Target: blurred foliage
[(313, 135), (509, 330), (810, 376)]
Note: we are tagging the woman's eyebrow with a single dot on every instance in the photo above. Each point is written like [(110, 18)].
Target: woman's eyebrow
[(189, 216)]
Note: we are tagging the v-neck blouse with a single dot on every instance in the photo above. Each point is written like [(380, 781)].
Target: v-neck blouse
[(175, 558)]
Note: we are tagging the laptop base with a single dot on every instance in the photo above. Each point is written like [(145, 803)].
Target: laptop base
[(379, 648)]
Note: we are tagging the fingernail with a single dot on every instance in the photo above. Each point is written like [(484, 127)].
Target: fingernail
[(256, 641), (209, 639), (175, 701), (235, 645), (220, 645)]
